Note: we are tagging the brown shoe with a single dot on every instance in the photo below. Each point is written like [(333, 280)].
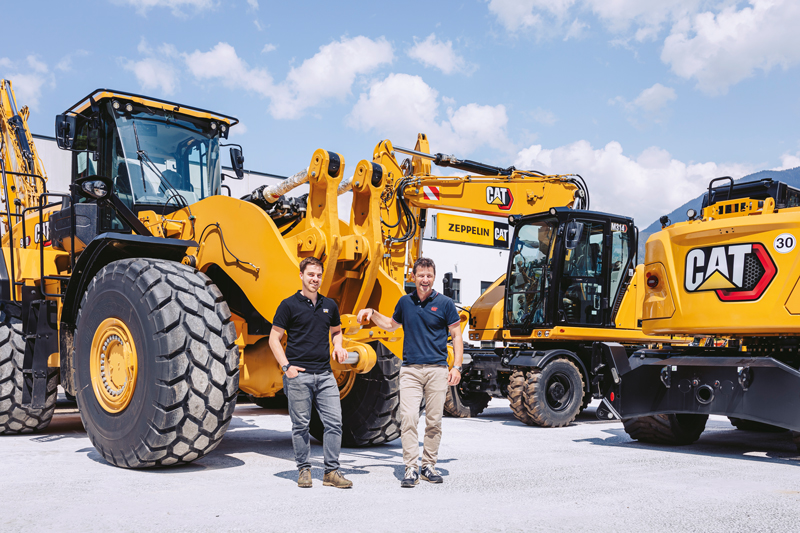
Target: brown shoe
[(304, 479), (335, 478)]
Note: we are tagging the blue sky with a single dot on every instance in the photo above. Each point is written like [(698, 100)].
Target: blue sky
[(647, 100)]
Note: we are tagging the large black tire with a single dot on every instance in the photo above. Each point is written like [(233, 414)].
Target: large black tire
[(369, 411), (516, 392), (796, 439), (188, 365), (553, 395), (460, 404), (676, 429), (752, 425), (14, 418)]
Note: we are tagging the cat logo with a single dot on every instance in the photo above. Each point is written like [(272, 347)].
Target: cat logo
[(501, 234), (499, 196), (737, 272)]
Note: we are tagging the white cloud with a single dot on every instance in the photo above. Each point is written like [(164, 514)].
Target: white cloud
[(645, 186), (269, 47), (789, 161), (258, 25), (253, 4), (222, 63), (648, 16), (29, 81), (438, 54), (720, 50), (522, 14), (178, 7), (576, 30), (65, 64), (544, 116), (329, 74), (401, 106), (649, 106), (238, 130), (157, 71), (655, 98)]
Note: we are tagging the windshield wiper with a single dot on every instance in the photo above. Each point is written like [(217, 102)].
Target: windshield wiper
[(144, 158)]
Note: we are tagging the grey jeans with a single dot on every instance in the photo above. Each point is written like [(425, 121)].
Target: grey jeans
[(321, 391)]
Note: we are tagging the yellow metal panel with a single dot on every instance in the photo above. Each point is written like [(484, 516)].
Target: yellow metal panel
[(465, 229), (706, 312)]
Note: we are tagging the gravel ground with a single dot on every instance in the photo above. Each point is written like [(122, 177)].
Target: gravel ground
[(499, 476)]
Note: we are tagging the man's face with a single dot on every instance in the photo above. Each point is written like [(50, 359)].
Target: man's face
[(423, 279), (311, 277)]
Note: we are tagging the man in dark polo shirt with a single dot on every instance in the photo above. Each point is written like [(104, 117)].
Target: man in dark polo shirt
[(309, 319), (426, 317)]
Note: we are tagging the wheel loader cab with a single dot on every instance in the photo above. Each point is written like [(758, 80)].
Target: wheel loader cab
[(567, 268), (157, 157)]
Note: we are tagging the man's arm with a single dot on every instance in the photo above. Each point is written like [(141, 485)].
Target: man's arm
[(336, 336), (275, 336), (458, 354), (383, 322)]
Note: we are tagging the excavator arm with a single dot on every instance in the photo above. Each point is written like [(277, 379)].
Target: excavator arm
[(24, 177)]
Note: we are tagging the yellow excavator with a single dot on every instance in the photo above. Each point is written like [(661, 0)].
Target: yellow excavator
[(572, 280), (148, 295), (728, 272)]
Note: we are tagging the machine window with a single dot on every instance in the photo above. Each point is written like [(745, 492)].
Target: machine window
[(528, 283), (581, 286)]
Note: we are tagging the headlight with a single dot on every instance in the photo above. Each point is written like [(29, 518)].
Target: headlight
[(95, 188)]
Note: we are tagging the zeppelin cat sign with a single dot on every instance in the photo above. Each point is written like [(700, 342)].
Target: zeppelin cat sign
[(471, 230)]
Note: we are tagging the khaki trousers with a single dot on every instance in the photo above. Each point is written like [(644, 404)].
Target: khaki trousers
[(418, 382)]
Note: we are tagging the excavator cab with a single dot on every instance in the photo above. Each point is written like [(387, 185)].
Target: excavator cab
[(568, 267)]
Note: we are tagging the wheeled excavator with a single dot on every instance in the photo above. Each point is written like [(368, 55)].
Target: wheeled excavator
[(728, 272)]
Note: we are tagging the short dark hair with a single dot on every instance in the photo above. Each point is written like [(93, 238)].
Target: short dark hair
[(424, 262), (310, 261)]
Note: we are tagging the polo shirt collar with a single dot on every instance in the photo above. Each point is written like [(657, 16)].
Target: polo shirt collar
[(299, 295), (417, 301)]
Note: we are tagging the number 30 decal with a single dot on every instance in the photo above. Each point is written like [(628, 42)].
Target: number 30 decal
[(784, 243)]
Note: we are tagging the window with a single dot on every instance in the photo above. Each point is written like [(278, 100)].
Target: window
[(580, 297), (456, 287), (528, 285), (485, 285)]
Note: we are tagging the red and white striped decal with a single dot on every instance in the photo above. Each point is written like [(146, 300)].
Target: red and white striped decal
[(431, 193)]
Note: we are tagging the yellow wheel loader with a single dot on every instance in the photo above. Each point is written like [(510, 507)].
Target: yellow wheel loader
[(728, 272)]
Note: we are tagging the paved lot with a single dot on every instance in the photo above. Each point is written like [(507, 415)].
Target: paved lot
[(499, 476)]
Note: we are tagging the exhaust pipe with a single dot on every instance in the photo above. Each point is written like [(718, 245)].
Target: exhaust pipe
[(704, 394)]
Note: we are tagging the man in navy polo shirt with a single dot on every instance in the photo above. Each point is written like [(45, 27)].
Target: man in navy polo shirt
[(426, 317), (310, 319)]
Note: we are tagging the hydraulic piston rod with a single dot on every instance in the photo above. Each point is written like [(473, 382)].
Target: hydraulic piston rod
[(466, 165)]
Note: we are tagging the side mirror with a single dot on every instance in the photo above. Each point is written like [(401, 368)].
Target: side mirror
[(237, 162), (447, 285), (572, 235), (65, 131)]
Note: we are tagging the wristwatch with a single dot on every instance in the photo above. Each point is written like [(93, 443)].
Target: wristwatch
[(458, 368), (285, 368)]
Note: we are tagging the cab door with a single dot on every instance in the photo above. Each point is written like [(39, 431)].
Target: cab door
[(582, 296)]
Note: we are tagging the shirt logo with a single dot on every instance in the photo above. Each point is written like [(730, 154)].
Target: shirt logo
[(324, 310), (434, 308)]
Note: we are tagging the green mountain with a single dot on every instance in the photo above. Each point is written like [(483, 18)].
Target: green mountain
[(790, 177)]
